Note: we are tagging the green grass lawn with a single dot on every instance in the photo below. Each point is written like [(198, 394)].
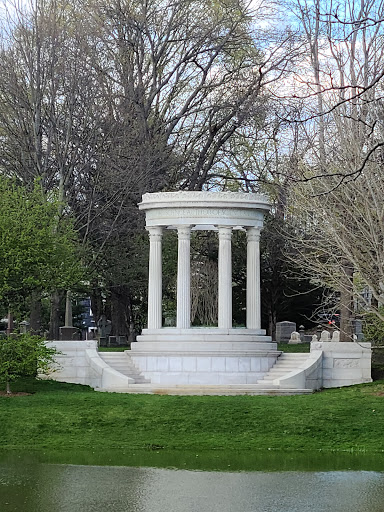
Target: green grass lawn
[(59, 416), (297, 347)]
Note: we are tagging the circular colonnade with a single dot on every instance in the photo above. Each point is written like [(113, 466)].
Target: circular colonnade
[(180, 354)]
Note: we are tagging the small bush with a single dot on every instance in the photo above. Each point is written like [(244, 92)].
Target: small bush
[(373, 328), (23, 356)]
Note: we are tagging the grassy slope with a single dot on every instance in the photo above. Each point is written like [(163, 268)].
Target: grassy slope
[(64, 416)]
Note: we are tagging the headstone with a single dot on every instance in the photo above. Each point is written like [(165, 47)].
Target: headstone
[(336, 336), (357, 325), (295, 338), (301, 331), (24, 327), (325, 336), (68, 333), (122, 340), (284, 331), (103, 341), (112, 341), (314, 338)]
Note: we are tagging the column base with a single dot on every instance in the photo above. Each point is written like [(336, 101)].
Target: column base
[(194, 334)]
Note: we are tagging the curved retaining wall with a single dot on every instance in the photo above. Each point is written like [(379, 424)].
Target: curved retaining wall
[(308, 376), (79, 362)]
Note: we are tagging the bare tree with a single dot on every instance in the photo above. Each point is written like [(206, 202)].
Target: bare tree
[(340, 236)]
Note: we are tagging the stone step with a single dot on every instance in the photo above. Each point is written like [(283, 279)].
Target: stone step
[(284, 357), (285, 369), (208, 390), (299, 355), (271, 377), (112, 355), (285, 364), (122, 363), (293, 364)]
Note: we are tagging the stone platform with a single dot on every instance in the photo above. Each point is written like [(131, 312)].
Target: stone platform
[(204, 356), (327, 365)]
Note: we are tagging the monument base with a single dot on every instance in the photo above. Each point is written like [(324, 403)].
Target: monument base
[(206, 356)]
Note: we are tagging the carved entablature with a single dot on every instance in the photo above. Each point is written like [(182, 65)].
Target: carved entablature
[(205, 210)]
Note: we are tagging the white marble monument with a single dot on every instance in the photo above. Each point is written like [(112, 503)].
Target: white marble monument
[(215, 355)]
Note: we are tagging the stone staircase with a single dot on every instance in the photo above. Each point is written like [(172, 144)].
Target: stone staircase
[(122, 362), (285, 364)]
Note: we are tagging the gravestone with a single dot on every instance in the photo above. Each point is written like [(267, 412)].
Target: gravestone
[(284, 331), (112, 341), (68, 333), (24, 327), (295, 338), (357, 325), (325, 336)]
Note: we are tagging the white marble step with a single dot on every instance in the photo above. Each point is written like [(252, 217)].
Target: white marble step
[(284, 365), (122, 363), (230, 390)]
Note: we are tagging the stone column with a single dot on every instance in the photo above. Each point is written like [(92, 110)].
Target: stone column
[(155, 278), (225, 278), (253, 279), (183, 320)]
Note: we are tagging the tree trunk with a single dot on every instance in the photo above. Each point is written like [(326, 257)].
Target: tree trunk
[(54, 323), (8, 387), (272, 323), (96, 303), (35, 313), (346, 303), (120, 303)]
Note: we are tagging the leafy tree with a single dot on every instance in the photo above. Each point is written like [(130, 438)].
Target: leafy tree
[(37, 250), (23, 356), (373, 328)]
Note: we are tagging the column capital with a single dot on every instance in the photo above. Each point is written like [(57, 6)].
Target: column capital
[(253, 234), (155, 232), (184, 232), (225, 232)]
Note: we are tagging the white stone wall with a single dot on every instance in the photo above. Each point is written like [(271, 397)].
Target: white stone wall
[(80, 363), (203, 369), (72, 364), (344, 364)]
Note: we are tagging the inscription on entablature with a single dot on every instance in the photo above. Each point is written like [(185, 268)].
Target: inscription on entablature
[(202, 213)]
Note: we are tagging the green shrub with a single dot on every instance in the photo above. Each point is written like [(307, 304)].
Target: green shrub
[(373, 328), (23, 356)]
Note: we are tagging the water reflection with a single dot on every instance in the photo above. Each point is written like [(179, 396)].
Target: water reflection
[(68, 488)]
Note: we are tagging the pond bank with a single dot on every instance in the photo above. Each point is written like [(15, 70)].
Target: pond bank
[(66, 417)]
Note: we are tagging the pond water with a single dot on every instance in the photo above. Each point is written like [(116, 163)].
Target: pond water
[(28, 485)]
